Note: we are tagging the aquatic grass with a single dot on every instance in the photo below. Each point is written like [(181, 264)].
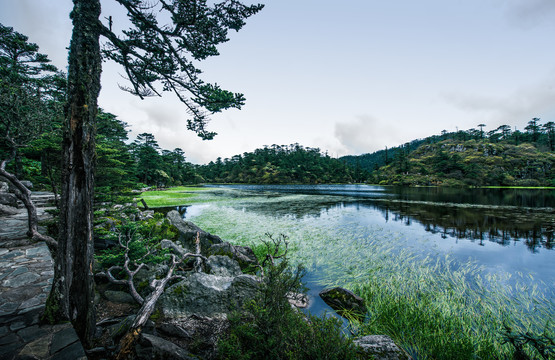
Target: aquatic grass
[(433, 306), (180, 195)]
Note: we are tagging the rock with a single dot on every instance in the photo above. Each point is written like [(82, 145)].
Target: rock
[(21, 280), (149, 273), (197, 333), (7, 210), (188, 233), (4, 186), (243, 254), (298, 300), (168, 244), (174, 330), (27, 184), (207, 295), (63, 338), (145, 215), (37, 349), (223, 266), (379, 347), (344, 301), (103, 242), (154, 347), (8, 199), (119, 297)]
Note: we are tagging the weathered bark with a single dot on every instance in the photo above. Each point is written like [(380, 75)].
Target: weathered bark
[(24, 195), (72, 295)]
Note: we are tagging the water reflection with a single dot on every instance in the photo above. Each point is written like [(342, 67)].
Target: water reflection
[(500, 225), (502, 216)]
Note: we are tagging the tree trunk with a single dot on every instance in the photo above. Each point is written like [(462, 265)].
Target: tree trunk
[(72, 295)]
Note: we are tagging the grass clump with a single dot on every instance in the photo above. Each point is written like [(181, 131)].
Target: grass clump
[(269, 328)]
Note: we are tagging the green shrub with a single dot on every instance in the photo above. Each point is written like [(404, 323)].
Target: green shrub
[(142, 235), (269, 328)]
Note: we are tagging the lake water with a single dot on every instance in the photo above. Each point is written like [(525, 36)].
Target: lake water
[(339, 231)]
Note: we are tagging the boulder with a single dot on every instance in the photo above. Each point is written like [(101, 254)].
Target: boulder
[(379, 347), (119, 297), (207, 295), (223, 266), (188, 233), (8, 199), (154, 347), (344, 301), (198, 334), (168, 244), (242, 254), (149, 273)]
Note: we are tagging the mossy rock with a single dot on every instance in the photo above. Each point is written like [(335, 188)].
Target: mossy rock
[(344, 302)]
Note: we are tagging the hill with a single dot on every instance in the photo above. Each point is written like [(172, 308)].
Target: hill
[(473, 162)]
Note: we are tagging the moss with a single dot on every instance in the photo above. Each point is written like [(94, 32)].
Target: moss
[(179, 290), (156, 315)]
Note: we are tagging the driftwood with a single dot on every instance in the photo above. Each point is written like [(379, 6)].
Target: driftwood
[(24, 195), (157, 285), (273, 250)]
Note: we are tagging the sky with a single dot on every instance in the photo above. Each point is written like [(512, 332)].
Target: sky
[(348, 77)]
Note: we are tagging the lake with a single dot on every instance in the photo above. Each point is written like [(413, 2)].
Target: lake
[(340, 232)]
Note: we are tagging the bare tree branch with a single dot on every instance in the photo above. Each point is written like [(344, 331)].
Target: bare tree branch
[(24, 195)]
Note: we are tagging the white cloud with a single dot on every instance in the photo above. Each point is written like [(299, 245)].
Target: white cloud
[(533, 100), (366, 134)]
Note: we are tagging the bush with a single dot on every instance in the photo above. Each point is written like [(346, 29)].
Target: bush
[(269, 328)]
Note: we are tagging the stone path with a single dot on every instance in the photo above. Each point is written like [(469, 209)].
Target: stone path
[(26, 272)]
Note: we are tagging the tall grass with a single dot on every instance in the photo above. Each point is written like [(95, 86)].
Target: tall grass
[(445, 310), (432, 305)]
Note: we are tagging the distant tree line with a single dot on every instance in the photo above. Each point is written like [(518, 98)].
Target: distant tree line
[(279, 164)]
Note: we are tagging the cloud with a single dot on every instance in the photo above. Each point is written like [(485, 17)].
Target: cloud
[(367, 134), (530, 13), (46, 23), (535, 100)]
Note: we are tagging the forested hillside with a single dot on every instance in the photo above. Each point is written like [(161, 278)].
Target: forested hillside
[(470, 158), (292, 164)]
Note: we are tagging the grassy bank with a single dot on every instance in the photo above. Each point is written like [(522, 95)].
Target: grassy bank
[(180, 195)]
